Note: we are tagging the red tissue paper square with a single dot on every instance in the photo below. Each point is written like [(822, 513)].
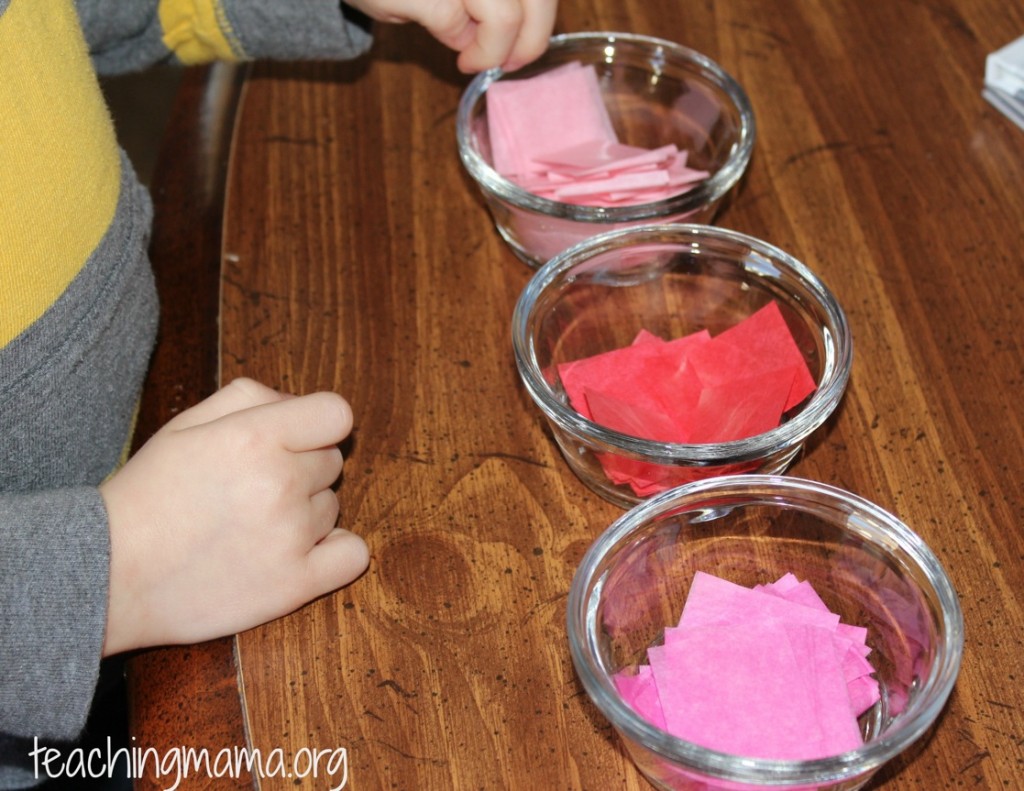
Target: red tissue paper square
[(695, 390)]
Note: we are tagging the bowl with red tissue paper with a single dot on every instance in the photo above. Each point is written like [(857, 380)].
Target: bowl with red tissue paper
[(663, 354), (764, 632), (604, 131)]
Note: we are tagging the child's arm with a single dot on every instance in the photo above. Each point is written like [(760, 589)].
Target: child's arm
[(485, 33), (226, 518), (129, 36)]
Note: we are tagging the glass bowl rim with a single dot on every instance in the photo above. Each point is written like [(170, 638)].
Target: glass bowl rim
[(707, 192), (874, 523), (822, 402)]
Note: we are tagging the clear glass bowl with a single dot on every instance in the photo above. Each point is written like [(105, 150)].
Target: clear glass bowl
[(672, 280), (869, 568), (657, 93)]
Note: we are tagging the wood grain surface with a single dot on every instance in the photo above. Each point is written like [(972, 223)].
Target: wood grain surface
[(358, 257), (188, 695)]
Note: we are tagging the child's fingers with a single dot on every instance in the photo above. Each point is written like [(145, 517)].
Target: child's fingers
[(534, 33), (337, 560), (316, 470), (448, 22), (240, 394), (308, 422), (323, 509), (498, 24)]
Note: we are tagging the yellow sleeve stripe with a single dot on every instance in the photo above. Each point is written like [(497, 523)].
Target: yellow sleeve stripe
[(60, 169), (198, 31)]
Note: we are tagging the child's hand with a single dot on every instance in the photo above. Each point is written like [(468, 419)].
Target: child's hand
[(485, 33), (225, 519)]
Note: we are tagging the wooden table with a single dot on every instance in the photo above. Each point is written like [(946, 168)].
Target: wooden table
[(351, 252)]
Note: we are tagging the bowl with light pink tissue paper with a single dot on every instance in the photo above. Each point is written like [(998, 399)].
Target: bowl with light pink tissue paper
[(712, 615), (604, 131)]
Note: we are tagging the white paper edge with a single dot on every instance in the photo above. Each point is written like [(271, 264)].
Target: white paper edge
[(1005, 104), (1004, 68)]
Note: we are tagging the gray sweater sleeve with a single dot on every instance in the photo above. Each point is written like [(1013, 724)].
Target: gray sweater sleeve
[(53, 604), (68, 387), (128, 36)]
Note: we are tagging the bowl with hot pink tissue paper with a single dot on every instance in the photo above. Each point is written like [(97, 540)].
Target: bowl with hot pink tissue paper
[(663, 354), (758, 632), (604, 131)]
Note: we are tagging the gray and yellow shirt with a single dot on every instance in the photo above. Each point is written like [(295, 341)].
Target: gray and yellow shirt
[(78, 313)]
